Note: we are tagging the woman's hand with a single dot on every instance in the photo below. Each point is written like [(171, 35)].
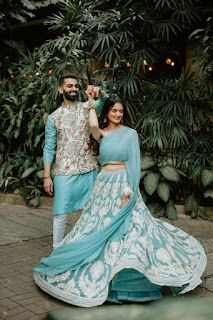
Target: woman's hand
[(90, 92), (124, 201)]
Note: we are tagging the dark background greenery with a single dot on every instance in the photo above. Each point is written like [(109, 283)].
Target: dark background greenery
[(121, 46)]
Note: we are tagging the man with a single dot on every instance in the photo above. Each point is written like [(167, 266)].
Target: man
[(67, 130)]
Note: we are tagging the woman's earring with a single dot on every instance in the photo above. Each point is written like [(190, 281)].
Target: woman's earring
[(105, 120)]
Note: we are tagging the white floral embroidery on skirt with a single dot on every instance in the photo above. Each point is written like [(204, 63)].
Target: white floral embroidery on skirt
[(166, 255)]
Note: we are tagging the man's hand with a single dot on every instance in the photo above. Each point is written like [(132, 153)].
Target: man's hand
[(97, 91), (48, 186)]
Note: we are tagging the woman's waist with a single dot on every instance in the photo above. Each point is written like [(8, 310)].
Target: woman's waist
[(113, 165)]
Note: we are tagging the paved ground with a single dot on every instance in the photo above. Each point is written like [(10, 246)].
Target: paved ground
[(26, 236)]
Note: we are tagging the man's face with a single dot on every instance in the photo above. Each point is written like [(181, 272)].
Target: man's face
[(70, 89)]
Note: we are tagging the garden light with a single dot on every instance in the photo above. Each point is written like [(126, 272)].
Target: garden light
[(168, 61)]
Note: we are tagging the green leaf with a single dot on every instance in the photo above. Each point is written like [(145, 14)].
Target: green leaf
[(171, 211), (195, 33), (16, 191), (144, 196), (169, 173), (10, 167), (191, 205), (40, 174), (34, 202), (206, 177), (156, 210), (27, 172), (37, 139), (147, 162), (151, 182), (143, 173), (203, 214), (163, 191), (208, 193), (16, 133)]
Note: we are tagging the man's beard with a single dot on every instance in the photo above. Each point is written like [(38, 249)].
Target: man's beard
[(70, 97)]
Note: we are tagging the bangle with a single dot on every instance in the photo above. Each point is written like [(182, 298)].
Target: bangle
[(46, 177), (91, 105)]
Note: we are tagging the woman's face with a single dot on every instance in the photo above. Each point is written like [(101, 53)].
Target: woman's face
[(115, 114)]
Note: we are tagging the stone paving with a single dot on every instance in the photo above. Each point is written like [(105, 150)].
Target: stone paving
[(26, 236)]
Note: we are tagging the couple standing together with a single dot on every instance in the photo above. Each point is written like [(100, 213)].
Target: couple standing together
[(117, 251)]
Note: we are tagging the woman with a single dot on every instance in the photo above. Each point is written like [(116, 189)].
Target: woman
[(117, 251)]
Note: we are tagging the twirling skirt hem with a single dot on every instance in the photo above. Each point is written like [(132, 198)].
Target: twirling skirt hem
[(188, 281)]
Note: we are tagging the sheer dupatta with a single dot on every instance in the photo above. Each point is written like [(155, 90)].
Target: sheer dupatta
[(73, 255)]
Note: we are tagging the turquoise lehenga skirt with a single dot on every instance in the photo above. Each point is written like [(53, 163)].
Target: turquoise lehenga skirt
[(150, 255)]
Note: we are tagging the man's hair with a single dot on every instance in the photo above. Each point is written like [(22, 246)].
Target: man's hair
[(66, 76)]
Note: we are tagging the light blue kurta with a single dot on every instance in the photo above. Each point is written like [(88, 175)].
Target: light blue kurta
[(120, 253), (71, 191)]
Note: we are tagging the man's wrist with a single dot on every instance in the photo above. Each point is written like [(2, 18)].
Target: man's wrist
[(102, 93)]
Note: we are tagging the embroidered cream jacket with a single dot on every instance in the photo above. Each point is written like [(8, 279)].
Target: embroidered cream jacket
[(67, 130)]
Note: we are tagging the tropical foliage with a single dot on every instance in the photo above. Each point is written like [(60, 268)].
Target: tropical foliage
[(176, 127), (122, 46), (20, 11), (23, 116)]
